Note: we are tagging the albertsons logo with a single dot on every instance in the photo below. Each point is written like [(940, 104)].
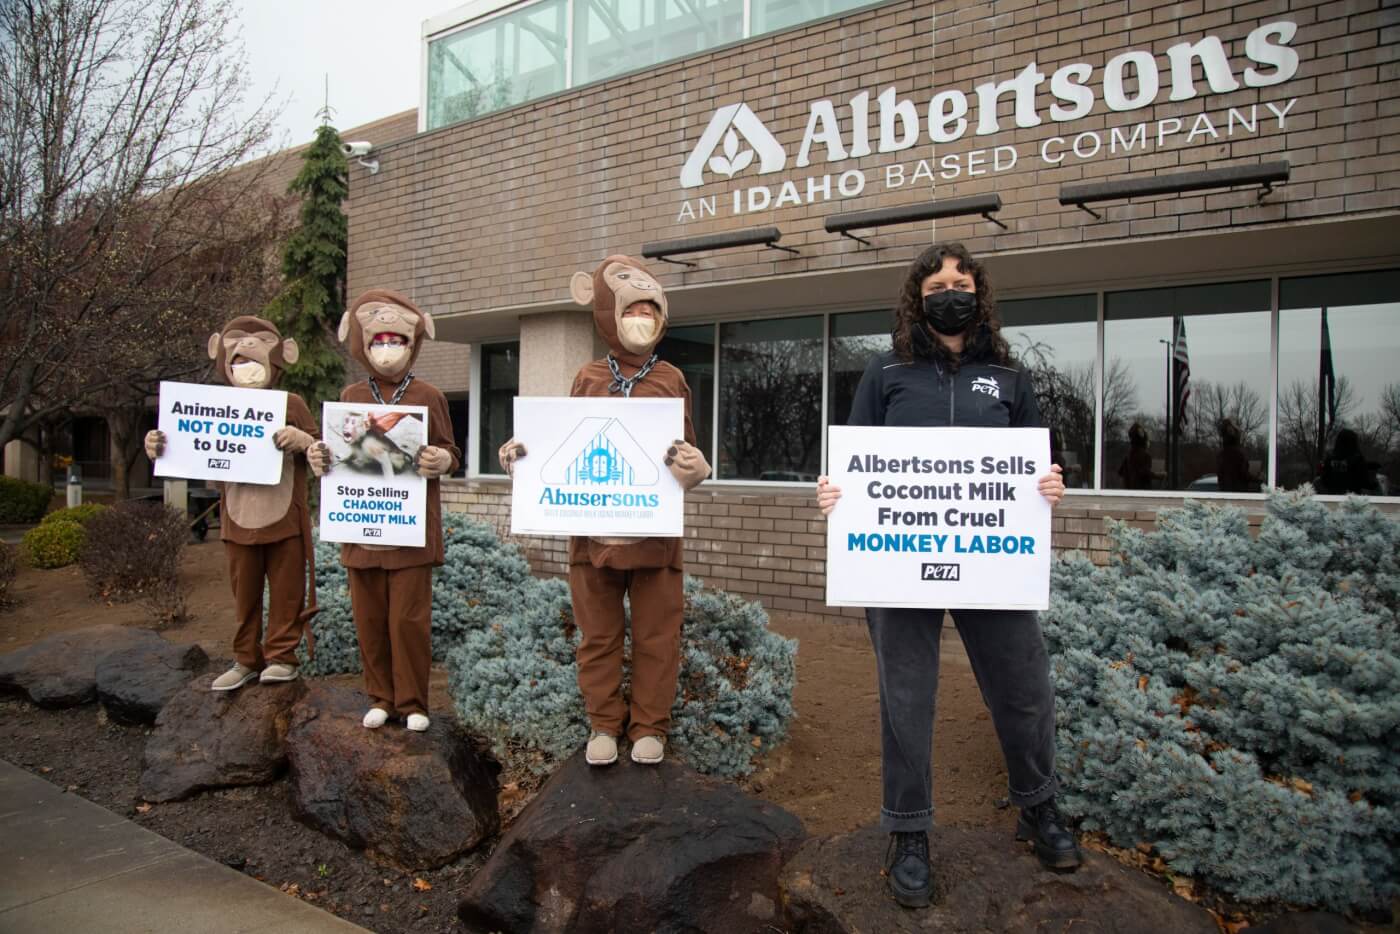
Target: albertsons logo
[(729, 123), (599, 452)]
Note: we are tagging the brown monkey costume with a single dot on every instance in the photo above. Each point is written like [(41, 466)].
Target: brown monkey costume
[(391, 588), (648, 570), (266, 529)]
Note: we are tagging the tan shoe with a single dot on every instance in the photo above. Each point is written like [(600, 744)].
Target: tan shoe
[(418, 722), (375, 717), (274, 673), (233, 679), (649, 750), (602, 749)]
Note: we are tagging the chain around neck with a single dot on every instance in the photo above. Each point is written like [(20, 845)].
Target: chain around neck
[(624, 386), (398, 392)]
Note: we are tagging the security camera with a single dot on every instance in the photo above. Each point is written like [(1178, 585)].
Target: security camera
[(360, 148)]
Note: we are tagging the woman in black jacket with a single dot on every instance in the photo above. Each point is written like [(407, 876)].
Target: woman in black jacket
[(950, 366)]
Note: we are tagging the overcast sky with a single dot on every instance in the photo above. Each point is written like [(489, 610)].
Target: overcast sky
[(369, 48)]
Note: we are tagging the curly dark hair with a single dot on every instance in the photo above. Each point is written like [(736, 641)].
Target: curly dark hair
[(913, 338)]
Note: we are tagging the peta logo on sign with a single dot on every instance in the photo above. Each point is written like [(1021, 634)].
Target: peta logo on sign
[(988, 385), (719, 147), (600, 452)]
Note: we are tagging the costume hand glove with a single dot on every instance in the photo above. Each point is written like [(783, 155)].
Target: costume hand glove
[(510, 452), (687, 464), (318, 458), (433, 462), (155, 444), (292, 439)]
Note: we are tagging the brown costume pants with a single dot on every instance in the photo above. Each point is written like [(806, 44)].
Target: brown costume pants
[(283, 565), (393, 612), (658, 608)]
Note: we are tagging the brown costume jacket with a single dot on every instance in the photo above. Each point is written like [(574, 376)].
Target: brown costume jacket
[(286, 502), (440, 436), (663, 382)]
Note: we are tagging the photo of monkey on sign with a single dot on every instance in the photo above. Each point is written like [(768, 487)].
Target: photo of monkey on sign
[(376, 443)]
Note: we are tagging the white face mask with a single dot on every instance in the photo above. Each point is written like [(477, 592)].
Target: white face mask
[(388, 358), (637, 334), (249, 374)]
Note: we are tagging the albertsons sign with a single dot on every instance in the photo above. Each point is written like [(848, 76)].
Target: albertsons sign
[(736, 140)]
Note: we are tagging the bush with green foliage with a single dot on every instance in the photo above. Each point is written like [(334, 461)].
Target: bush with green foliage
[(53, 544), (1232, 701), (8, 569), (22, 501), (133, 551), (509, 641), (82, 514)]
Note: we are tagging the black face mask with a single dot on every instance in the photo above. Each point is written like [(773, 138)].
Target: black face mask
[(950, 311)]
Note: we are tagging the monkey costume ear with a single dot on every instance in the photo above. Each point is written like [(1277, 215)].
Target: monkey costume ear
[(215, 340), (581, 288), (343, 333), (428, 327), (290, 352)]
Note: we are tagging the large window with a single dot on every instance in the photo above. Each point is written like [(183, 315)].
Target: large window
[(1054, 339), (616, 36), (770, 384), (692, 350), (855, 338), (504, 61), (772, 15), (1186, 400), (1339, 383), (500, 384)]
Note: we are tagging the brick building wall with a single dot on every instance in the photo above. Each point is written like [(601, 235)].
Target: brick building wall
[(498, 212)]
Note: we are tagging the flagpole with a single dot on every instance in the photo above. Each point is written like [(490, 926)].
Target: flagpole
[(1171, 383)]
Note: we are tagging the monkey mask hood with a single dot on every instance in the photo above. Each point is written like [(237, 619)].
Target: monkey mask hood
[(617, 283), (250, 353), (385, 332)]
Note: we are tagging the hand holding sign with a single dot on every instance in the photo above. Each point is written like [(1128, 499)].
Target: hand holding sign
[(218, 433)]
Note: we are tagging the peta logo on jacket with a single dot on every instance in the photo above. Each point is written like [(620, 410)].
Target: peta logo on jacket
[(988, 385)]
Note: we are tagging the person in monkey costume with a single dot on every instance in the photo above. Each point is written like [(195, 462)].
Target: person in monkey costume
[(391, 588), (629, 311), (266, 530)]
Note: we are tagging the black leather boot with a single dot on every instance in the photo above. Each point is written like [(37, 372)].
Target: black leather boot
[(1054, 843), (907, 862)]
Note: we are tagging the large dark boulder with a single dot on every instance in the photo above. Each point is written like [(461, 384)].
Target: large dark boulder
[(413, 800), (983, 881), (133, 684), (214, 739), (61, 670), (635, 848)]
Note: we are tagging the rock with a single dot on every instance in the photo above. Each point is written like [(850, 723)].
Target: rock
[(414, 800), (61, 670), (134, 683), (983, 881), (213, 739), (635, 848), (1306, 922)]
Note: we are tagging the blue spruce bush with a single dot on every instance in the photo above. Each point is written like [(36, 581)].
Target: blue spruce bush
[(509, 639), (1233, 701)]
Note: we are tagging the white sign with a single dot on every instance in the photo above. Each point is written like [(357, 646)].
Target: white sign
[(373, 494), (597, 467), (220, 433), (946, 518)]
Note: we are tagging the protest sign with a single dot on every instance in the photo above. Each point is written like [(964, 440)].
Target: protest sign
[(220, 433), (373, 495), (597, 467), (944, 518)]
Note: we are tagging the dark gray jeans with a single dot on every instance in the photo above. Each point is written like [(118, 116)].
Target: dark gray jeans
[(1008, 657)]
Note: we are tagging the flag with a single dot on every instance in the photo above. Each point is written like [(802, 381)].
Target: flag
[(1181, 365), (1326, 388)]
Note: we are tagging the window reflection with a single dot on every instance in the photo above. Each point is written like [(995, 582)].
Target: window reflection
[(770, 399), (855, 339), (772, 15), (616, 36), (500, 384), (1054, 339), (692, 351), (1187, 388), (1338, 389)]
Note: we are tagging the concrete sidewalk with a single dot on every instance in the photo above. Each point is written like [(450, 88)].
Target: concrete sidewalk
[(68, 865)]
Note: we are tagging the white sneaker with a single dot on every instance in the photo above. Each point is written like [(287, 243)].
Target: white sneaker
[(602, 749), (649, 750), (418, 722), (273, 673), (233, 679), (375, 718)]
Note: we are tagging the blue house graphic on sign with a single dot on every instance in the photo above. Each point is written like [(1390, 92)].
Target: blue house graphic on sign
[(600, 452)]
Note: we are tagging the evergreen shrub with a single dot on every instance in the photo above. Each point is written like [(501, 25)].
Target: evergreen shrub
[(80, 514), (8, 569), (53, 544), (22, 501), (509, 639), (1232, 701)]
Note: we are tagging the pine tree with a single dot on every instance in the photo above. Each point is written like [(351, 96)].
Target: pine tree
[(313, 272)]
